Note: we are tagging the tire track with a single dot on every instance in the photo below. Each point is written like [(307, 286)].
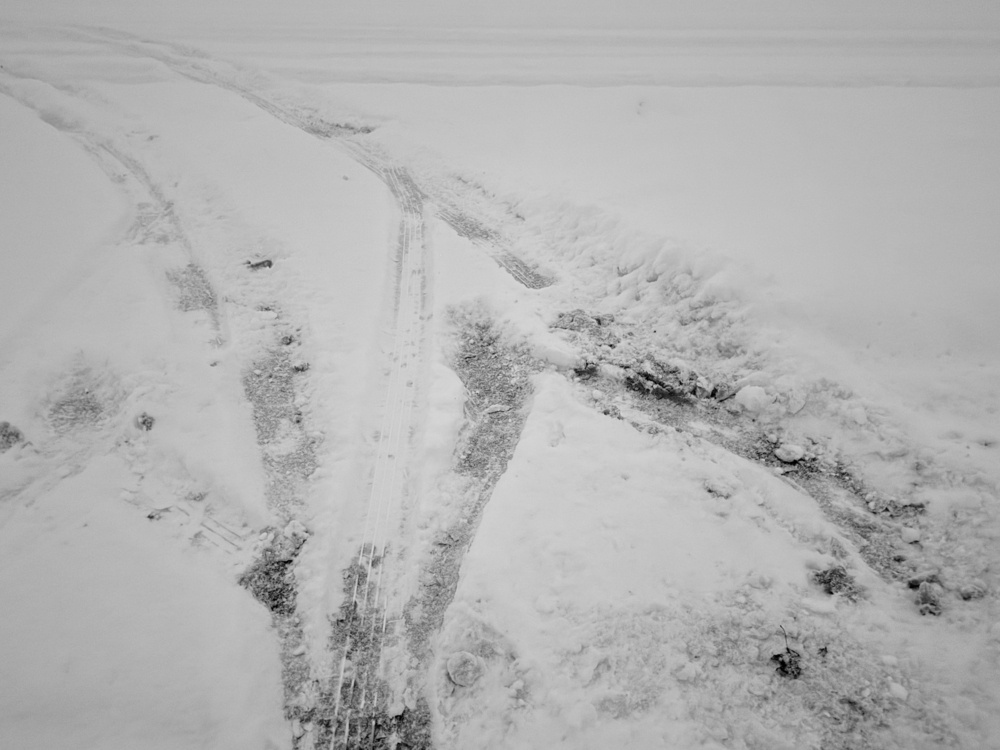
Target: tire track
[(352, 710), (463, 220), (359, 691), (66, 452)]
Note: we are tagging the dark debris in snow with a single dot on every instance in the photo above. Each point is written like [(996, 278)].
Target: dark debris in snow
[(271, 578), (9, 436), (836, 580)]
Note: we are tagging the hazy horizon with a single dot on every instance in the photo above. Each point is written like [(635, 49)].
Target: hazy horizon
[(543, 14)]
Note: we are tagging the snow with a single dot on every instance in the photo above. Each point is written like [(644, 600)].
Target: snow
[(791, 216), (105, 639), (45, 173)]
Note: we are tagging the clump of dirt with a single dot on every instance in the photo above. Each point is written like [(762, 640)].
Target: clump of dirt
[(929, 598), (9, 436), (271, 578), (789, 661), (837, 581), (662, 381)]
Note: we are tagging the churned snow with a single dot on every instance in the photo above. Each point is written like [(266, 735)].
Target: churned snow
[(817, 255)]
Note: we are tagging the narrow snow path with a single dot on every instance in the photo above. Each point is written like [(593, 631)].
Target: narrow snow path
[(357, 695)]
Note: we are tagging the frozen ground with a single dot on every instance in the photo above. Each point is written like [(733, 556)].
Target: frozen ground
[(450, 388)]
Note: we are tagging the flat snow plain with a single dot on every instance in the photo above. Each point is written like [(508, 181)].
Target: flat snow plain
[(803, 229)]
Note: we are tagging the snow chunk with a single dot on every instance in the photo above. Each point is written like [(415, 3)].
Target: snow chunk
[(464, 668), (753, 398), (897, 691), (556, 352), (789, 453), (820, 606), (910, 535)]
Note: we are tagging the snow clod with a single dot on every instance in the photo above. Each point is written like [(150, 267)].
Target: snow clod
[(464, 668), (929, 598), (910, 535), (688, 673), (789, 453), (972, 590), (753, 398), (897, 691)]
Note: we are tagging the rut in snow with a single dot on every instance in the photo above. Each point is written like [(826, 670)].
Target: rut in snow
[(355, 714), (456, 210), (870, 519)]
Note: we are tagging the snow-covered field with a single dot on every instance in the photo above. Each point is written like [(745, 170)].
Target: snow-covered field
[(428, 386)]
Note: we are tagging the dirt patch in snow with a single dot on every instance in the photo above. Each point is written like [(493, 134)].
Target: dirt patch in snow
[(657, 391), (194, 291), (496, 376), (288, 454), (85, 399), (356, 709), (359, 708), (9, 436)]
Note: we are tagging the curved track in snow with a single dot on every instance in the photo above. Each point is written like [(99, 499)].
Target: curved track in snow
[(351, 708), (451, 207)]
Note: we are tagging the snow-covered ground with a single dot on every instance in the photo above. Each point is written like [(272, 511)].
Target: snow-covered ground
[(500, 388)]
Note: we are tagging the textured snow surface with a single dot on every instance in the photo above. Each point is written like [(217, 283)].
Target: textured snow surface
[(679, 359)]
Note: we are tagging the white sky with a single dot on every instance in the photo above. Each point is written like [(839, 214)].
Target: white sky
[(643, 14)]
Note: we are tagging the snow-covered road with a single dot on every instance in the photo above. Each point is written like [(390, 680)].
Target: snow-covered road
[(364, 415)]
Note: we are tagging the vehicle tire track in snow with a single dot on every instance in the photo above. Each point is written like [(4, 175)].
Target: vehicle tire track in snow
[(448, 209), (354, 711), (155, 222), (270, 385), (360, 693), (496, 377), (88, 396)]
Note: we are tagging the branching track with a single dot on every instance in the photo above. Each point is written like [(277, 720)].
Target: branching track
[(351, 709), (449, 203)]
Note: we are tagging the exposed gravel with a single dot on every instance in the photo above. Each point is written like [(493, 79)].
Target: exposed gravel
[(677, 397)]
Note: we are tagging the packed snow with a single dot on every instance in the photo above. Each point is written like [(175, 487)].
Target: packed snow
[(486, 379)]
